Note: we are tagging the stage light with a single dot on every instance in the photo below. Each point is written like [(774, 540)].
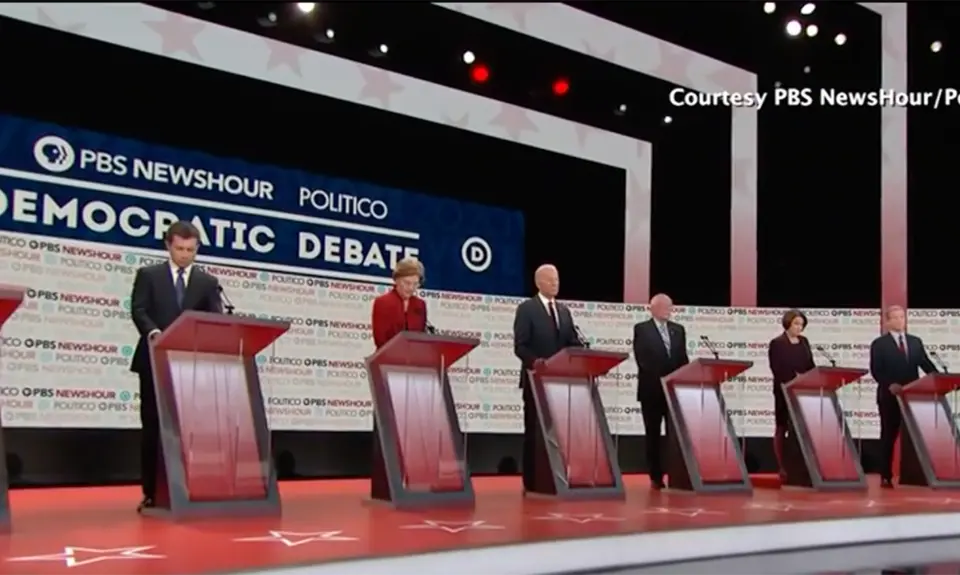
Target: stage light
[(330, 34), (622, 109), (667, 120), (808, 9), (306, 7), (205, 5), (469, 57), (812, 30), (384, 48), (561, 86), (794, 28), (268, 21), (806, 69), (769, 7), (936, 46), (841, 39), (479, 73)]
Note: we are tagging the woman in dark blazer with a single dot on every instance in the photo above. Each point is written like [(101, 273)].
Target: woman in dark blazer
[(790, 355)]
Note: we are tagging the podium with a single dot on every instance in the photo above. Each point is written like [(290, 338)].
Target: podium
[(703, 454), (819, 451), (10, 299), (574, 452), (419, 457), (214, 437), (929, 448)]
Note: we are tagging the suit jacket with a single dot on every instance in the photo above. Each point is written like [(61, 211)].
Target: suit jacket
[(536, 336), (783, 364), (653, 361), (389, 318), (154, 303), (889, 365)]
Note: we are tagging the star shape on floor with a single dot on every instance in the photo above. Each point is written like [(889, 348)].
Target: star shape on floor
[(685, 512), (580, 518), (295, 538), (453, 526), (78, 556), (783, 506)]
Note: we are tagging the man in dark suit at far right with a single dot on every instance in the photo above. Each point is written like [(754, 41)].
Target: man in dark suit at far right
[(895, 358), (162, 292), (660, 347)]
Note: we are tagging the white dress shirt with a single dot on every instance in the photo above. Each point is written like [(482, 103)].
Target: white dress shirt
[(174, 272), (546, 304)]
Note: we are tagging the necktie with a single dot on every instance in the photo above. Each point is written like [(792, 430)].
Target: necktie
[(665, 336), (553, 314), (903, 348), (180, 287)]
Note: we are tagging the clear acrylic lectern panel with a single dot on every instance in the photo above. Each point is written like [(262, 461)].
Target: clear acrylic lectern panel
[(703, 454), (573, 445), (11, 297), (930, 442), (820, 451), (419, 449), (215, 442)]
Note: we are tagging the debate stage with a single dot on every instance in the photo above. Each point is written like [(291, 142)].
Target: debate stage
[(97, 529)]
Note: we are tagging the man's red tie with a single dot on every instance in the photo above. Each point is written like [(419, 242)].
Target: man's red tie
[(903, 348)]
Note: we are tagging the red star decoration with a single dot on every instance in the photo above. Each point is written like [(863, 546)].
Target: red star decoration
[(460, 122), (514, 121), (518, 10), (178, 34), (674, 63), (379, 85), (731, 79), (609, 55), (583, 132), (282, 54)]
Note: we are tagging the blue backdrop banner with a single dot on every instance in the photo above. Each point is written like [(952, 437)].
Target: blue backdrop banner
[(71, 183)]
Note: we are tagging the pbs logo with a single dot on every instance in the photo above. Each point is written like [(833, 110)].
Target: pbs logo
[(54, 154), (476, 254)]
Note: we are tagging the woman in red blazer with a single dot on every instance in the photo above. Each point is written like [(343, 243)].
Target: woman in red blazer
[(400, 309)]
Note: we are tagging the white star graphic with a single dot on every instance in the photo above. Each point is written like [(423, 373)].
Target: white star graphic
[(686, 512), (780, 506), (295, 538), (77, 556), (453, 526), (580, 518)]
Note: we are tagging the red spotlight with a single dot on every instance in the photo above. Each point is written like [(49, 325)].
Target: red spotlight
[(561, 87), (479, 73)]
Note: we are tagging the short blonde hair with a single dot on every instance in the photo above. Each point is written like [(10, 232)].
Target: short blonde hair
[(408, 267)]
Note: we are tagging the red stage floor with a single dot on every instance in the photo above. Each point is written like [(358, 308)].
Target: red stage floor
[(97, 529)]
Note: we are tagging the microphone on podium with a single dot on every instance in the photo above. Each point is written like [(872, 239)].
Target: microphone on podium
[(428, 328), (227, 304), (827, 356), (940, 363), (706, 341), (582, 338)]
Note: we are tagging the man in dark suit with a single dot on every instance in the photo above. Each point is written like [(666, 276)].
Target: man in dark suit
[(660, 347), (162, 292), (895, 359), (541, 328)]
